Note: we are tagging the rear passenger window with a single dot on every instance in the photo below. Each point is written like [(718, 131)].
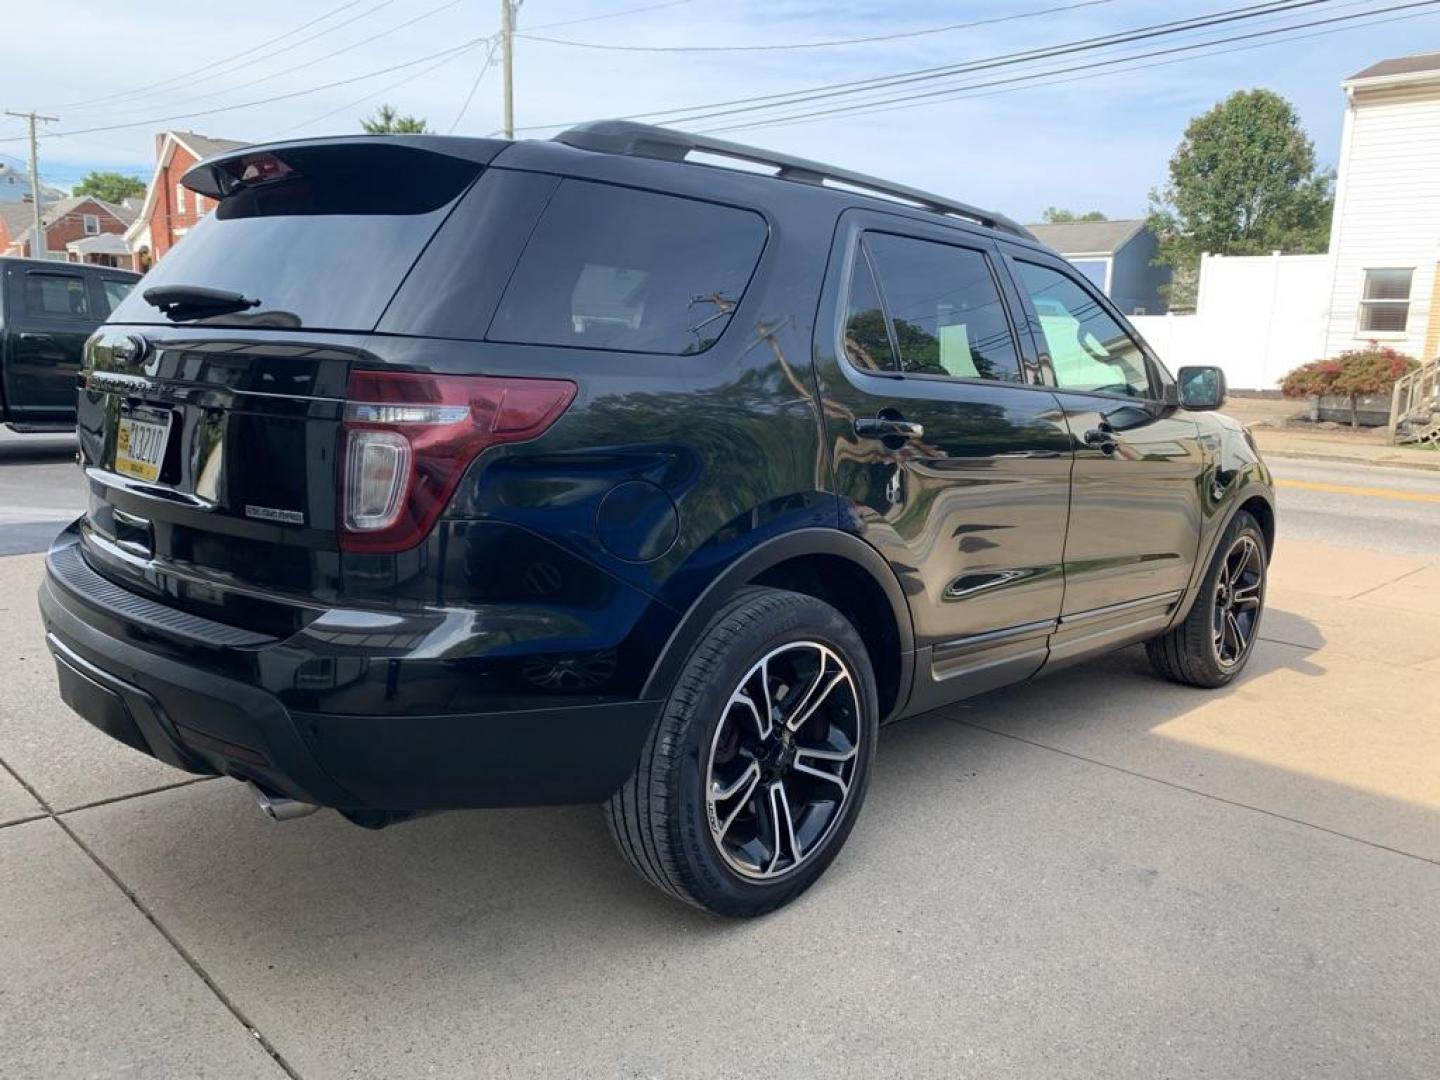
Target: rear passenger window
[(945, 309), (614, 268), (867, 338), (56, 294), (116, 289)]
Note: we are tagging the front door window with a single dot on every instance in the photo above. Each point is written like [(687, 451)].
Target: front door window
[(1089, 351)]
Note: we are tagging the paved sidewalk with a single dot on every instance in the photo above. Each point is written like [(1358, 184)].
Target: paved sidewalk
[(1266, 419), (1097, 874)]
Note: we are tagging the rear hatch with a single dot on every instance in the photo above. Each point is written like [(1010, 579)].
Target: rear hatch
[(210, 418)]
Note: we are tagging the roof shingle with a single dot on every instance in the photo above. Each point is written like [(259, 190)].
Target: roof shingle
[(1087, 237), (1419, 64)]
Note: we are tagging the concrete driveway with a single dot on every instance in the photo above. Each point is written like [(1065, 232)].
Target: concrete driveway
[(1094, 875)]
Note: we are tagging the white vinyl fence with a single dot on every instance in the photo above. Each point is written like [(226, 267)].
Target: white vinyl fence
[(1255, 316)]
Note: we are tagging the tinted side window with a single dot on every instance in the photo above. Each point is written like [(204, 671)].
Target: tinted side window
[(945, 308), (56, 294), (867, 337), (613, 268), (115, 290), (1089, 350)]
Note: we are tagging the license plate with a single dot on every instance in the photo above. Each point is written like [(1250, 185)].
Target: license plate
[(140, 445)]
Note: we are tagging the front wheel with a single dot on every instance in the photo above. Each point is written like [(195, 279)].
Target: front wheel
[(1214, 642), (757, 768)]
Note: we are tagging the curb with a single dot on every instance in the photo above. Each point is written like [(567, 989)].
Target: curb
[(1375, 463)]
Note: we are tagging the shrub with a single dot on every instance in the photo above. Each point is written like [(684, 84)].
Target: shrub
[(1352, 375)]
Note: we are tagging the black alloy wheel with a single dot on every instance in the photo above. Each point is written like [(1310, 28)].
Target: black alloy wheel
[(1238, 597), (1211, 645), (782, 759), (755, 772)]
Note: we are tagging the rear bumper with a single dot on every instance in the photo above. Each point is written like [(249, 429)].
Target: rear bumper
[(124, 665)]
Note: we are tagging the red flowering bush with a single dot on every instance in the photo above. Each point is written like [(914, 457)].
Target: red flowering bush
[(1352, 375)]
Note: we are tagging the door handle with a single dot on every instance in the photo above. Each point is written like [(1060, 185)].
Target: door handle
[(881, 427), (1103, 438), (27, 336)]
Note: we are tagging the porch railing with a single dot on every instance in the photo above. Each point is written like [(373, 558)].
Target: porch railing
[(1415, 405)]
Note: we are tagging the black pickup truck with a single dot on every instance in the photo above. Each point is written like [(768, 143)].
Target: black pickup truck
[(47, 310)]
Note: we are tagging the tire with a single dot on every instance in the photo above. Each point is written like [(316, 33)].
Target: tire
[(1201, 650), (708, 741)]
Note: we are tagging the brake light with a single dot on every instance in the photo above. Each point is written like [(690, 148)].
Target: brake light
[(409, 438), (254, 169)]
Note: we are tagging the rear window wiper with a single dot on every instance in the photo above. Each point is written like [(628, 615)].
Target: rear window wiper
[(180, 302)]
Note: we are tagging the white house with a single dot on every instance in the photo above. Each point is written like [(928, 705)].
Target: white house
[(1385, 235), (1258, 317)]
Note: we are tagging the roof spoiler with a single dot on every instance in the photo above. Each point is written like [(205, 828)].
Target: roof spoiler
[(223, 174)]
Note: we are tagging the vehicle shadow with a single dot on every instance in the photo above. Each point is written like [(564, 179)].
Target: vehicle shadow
[(543, 868), (17, 449)]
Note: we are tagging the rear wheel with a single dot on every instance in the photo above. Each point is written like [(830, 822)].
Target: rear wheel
[(1216, 639), (757, 768)]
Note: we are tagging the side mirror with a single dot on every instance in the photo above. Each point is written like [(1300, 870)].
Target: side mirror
[(1201, 388)]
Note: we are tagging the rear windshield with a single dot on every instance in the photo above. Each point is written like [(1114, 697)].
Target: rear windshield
[(324, 247), (614, 268)]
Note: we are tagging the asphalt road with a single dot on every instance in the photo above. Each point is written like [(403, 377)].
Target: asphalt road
[(1098, 874), (40, 489), (1396, 511)]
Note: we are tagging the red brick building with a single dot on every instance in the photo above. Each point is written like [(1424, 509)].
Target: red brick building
[(170, 210), (64, 221)]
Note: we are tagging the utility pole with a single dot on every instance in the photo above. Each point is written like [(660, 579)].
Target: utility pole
[(37, 247), (507, 46)]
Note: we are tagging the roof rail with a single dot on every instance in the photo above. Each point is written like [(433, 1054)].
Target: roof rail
[(646, 140)]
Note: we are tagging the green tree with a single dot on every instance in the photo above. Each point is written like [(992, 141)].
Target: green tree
[(1243, 181), (387, 121), (1055, 215), (111, 186)]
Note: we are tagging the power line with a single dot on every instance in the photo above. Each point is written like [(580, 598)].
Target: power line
[(205, 69), (814, 44), (372, 95), (212, 73), (923, 75), (611, 15), (690, 113), (277, 97), (319, 59), (485, 66), (940, 93), (1048, 77)]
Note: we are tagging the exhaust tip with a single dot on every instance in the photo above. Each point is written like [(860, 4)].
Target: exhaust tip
[(277, 807)]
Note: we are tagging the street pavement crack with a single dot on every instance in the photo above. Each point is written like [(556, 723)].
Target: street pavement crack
[(149, 915)]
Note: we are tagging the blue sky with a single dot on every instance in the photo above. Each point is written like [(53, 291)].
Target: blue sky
[(1097, 143)]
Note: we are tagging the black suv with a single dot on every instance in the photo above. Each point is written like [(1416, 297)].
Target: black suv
[(625, 467)]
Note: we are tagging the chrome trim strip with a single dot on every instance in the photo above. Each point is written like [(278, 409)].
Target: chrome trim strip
[(1158, 600), (126, 383), (996, 637)]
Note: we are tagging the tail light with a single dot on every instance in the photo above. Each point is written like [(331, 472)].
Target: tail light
[(409, 439)]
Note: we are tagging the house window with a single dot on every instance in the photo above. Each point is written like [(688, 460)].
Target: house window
[(92, 225), (1097, 271), (1385, 301), (179, 198)]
